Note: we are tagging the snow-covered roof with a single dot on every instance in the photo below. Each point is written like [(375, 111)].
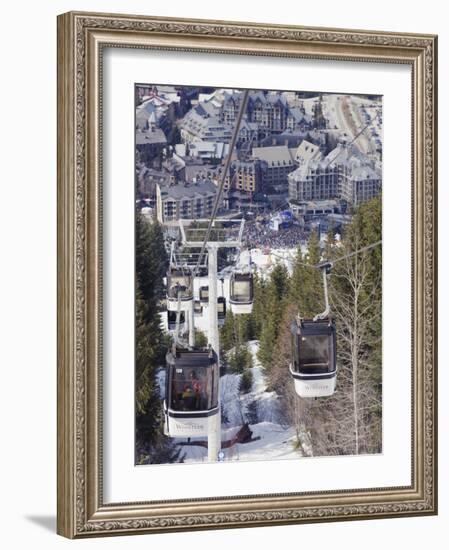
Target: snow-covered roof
[(203, 127), (363, 173), (274, 156), (150, 137), (180, 191), (307, 151)]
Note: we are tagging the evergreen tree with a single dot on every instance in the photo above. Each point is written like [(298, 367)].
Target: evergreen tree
[(151, 442), (276, 292), (329, 249), (200, 339), (246, 381), (236, 329), (159, 259), (239, 359), (145, 356), (151, 263), (365, 230), (306, 287), (152, 446), (245, 329), (259, 306), (350, 421), (279, 282), (227, 332), (319, 121), (297, 281)]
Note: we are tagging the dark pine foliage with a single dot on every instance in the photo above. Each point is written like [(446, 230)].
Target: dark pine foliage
[(152, 446)]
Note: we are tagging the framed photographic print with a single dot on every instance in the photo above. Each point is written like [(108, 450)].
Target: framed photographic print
[(246, 274)]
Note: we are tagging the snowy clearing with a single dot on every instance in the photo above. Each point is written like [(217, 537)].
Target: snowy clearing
[(271, 440)]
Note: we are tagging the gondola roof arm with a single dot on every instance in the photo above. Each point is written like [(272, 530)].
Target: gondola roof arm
[(325, 269)]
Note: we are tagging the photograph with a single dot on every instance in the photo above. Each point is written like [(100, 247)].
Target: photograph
[(247, 273), (258, 274)]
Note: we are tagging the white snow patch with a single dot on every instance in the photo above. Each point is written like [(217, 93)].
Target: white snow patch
[(272, 439)]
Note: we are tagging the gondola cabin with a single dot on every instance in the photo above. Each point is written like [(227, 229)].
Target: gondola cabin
[(197, 308), (171, 320), (221, 310), (314, 357), (241, 293), (179, 288), (204, 294), (191, 393)]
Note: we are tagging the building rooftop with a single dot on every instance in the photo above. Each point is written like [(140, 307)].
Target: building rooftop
[(317, 204), (215, 149), (204, 127), (181, 191), (206, 109), (250, 126), (363, 173), (201, 171), (307, 151), (150, 137), (248, 165), (298, 115), (278, 155), (174, 163), (268, 99)]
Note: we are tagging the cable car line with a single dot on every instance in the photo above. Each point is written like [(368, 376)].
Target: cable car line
[(192, 403), (354, 139), (373, 245), (177, 290), (332, 262), (177, 341), (325, 269), (314, 349), (192, 398), (223, 176)]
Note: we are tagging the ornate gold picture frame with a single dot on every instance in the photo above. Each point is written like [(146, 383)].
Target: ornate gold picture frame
[(82, 40)]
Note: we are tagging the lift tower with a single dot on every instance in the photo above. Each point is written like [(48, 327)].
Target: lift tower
[(225, 234)]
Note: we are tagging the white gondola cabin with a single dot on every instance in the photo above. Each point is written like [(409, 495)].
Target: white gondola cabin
[(191, 396), (204, 294), (241, 293), (314, 357), (221, 310), (197, 308), (179, 288)]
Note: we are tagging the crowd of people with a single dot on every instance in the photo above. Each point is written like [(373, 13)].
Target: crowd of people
[(259, 234)]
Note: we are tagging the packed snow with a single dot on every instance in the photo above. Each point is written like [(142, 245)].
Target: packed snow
[(272, 440)]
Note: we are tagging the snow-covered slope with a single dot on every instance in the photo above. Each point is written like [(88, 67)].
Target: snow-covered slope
[(258, 408)]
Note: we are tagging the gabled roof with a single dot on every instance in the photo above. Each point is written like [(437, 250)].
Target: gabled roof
[(307, 151)]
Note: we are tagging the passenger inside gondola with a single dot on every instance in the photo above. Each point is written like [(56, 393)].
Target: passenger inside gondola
[(188, 390)]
